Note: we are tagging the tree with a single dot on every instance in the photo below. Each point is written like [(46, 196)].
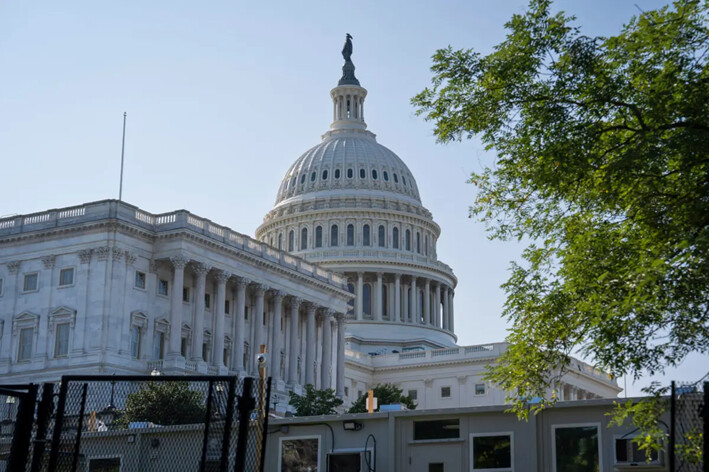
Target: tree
[(315, 402), (603, 167), (386, 394), (165, 403)]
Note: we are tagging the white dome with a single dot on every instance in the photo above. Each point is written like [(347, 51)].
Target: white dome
[(348, 159)]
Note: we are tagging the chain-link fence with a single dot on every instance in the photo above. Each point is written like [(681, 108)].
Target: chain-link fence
[(688, 428), (119, 423)]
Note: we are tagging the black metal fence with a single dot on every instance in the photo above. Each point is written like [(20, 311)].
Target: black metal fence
[(118, 423), (689, 427)]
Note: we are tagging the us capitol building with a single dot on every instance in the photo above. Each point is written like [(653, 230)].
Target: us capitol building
[(341, 284)]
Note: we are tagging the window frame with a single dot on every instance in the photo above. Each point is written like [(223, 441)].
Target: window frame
[(142, 276), (475, 389), (186, 290), (303, 238), (556, 426), (366, 235), (334, 242), (25, 320), (56, 339), (162, 327), (24, 282), (511, 435), (73, 277), (659, 463), (318, 236), (450, 391), (160, 283), (293, 438)]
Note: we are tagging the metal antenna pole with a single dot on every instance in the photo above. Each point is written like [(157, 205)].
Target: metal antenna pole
[(123, 148)]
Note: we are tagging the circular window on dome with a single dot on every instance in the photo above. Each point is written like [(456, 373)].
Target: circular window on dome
[(386, 176), (374, 174), (350, 173), (324, 174), (362, 173), (337, 173), (302, 178), (312, 176), (396, 178)]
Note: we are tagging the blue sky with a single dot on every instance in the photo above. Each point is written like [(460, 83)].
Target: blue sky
[(223, 96)]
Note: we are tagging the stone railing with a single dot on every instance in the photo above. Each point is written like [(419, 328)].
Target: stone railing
[(179, 219), (432, 355)]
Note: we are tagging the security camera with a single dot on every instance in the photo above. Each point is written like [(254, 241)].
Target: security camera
[(261, 360)]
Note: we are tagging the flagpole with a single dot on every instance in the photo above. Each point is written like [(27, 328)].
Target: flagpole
[(123, 148)]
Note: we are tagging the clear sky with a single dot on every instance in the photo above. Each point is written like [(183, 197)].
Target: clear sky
[(222, 96)]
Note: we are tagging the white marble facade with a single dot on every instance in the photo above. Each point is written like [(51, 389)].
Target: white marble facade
[(106, 287)]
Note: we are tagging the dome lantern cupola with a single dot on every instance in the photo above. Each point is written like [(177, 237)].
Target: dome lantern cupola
[(348, 97)]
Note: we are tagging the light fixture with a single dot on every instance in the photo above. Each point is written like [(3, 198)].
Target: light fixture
[(155, 373), (351, 425)]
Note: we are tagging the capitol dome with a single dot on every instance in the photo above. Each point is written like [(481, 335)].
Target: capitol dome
[(351, 205)]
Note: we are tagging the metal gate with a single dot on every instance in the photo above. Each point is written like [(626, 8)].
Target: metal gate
[(689, 427), (117, 422)]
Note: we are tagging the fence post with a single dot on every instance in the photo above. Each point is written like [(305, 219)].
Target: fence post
[(207, 423), (58, 423), (44, 414), (77, 446), (22, 434), (705, 412), (246, 404), (226, 440), (673, 419)]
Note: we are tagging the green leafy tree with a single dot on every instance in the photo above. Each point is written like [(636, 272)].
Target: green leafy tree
[(386, 394), (602, 165), (164, 403), (314, 402)]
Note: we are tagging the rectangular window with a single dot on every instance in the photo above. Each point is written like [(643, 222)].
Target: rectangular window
[(66, 277), (492, 452), (186, 294), (436, 429), (413, 394), (576, 448), (24, 352), (246, 315), (480, 389), (205, 352), (627, 452), (445, 392), (227, 306), (207, 300), (183, 347), (105, 465), (30, 282), (139, 279), (61, 342), (162, 287), (159, 346), (136, 334)]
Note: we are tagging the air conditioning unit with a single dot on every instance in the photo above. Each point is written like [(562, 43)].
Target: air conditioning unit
[(350, 461)]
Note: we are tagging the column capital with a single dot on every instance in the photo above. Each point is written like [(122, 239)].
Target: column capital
[(221, 276), (413, 279), (397, 276), (259, 289), (199, 268), (380, 275), (278, 293), (310, 307), (360, 274), (242, 282), (341, 318), (295, 301), (179, 261)]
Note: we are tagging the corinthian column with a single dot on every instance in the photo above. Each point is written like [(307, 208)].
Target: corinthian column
[(294, 341), (437, 306), (427, 302), (259, 291), (277, 335), (310, 344), (325, 374), (444, 295), (340, 384), (413, 302), (378, 299), (220, 277), (200, 271), (239, 317), (360, 295), (397, 297), (178, 281), (451, 316)]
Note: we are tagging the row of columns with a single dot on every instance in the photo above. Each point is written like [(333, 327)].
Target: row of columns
[(274, 337), (437, 307)]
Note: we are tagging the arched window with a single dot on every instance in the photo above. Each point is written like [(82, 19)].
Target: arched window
[(302, 178), (386, 176), (396, 178), (403, 179), (318, 236), (337, 173), (312, 176), (374, 174), (350, 173), (362, 173), (382, 236), (385, 300), (291, 240), (365, 235), (303, 239), (395, 238), (425, 245), (350, 288), (270, 241), (350, 235), (324, 174), (280, 241), (418, 242), (408, 240), (334, 235), (292, 181), (367, 299)]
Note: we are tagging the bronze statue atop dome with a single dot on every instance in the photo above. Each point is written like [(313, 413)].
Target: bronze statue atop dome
[(347, 48), (348, 70)]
